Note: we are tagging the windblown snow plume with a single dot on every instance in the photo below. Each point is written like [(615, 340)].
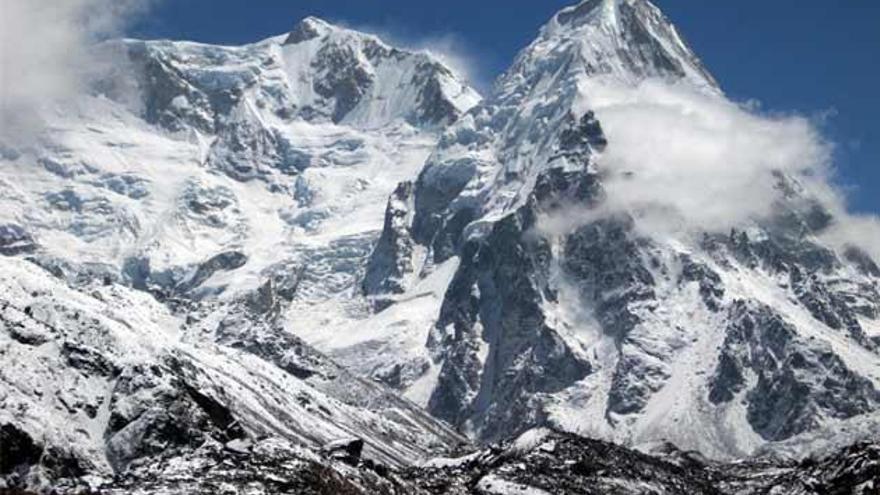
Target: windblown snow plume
[(45, 55), (449, 48), (456, 54)]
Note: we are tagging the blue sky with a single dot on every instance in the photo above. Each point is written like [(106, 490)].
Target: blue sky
[(819, 58)]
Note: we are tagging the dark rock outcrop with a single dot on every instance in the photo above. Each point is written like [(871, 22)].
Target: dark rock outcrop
[(391, 259), (15, 240), (17, 448), (796, 380)]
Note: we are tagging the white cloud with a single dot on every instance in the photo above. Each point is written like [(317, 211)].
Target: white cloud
[(856, 230), (848, 229), (46, 56), (687, 162), (685, 159)]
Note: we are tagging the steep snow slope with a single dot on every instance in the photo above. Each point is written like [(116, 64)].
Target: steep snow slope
[(551, 301), (269, 150), (160, 225), (98, 378)]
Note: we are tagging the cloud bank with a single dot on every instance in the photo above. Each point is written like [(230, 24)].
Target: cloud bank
[(686, 162), (46, 55), (712, 161)]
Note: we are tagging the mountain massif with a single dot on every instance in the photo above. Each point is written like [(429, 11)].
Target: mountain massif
[(323, 264)]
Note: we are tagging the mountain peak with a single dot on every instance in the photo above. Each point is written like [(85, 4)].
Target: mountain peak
[(309, 28), (587, 10), (630, 39)]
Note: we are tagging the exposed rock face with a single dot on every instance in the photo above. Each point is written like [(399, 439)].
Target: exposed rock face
[(266, 467), (786, 398), (177, 416), (347, 451), (15, 240), (391, 260), (19, 449), (223, 261), (492, 319)]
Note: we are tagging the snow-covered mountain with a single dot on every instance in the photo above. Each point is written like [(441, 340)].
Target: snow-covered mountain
[(262, 152), (315, 261), (158, 228), (551, 302), (101, 378)]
